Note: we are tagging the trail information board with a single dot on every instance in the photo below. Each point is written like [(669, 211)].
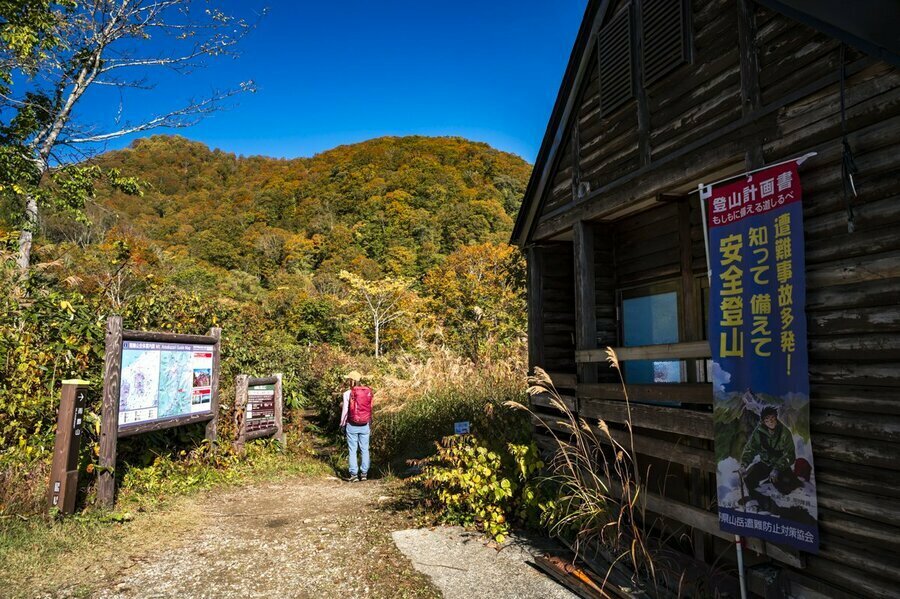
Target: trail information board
[(260, 411), (164, 380), (258, 408)]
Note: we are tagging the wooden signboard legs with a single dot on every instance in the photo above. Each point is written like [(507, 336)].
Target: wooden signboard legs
[(212, 425), (64, 471), (241, 394), (279, 410), (109, 422)]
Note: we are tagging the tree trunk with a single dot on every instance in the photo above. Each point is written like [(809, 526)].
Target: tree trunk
[(377, 339), (26, 235)]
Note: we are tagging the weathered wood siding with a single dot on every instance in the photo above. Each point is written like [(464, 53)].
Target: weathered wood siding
[(711, 119), (558, 284)]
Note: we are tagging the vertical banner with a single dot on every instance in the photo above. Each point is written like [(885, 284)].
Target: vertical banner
[(757, 332)]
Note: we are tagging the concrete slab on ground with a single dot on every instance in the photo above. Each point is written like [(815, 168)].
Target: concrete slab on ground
[(463, 565)]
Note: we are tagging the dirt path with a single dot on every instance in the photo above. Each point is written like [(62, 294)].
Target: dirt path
[(307, 537)]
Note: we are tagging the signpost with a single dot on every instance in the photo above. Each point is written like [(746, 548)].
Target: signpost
[(461, 428), (153, 381), (64, 471), (258, 408)]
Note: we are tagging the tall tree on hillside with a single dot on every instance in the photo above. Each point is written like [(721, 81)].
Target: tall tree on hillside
[(383, 301), (52, 53), (478, 294)]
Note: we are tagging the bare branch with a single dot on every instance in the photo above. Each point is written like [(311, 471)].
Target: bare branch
[(183, 117)]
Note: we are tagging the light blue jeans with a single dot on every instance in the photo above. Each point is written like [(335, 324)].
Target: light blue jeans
[(358, 436)]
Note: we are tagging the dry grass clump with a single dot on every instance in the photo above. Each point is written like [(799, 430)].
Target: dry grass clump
[(418, 401), (413, 377), (599, 499)]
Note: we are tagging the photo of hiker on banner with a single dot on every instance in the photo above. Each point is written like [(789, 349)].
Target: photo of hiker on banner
[(766, 458)]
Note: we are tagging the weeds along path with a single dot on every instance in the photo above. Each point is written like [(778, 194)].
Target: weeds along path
[(308, 537)]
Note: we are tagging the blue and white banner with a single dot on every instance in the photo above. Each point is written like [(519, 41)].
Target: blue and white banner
[(757, 329)]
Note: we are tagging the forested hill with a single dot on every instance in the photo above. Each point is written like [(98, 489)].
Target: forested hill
[(389, 206)]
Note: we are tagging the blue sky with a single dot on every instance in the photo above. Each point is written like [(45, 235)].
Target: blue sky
[(331, 72)]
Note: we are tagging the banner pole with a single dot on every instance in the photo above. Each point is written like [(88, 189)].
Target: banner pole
[(739, 548), (704, 194)]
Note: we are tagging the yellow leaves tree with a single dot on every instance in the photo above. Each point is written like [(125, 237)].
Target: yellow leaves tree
[(477, 293), (382, 301)]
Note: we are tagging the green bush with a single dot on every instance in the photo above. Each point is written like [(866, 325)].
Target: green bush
[(468, 484)]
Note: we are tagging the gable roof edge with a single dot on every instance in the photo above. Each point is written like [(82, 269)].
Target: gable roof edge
[(562, 109)]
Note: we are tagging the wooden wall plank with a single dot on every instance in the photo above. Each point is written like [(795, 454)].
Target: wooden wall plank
[(699, 393), (660, 418)]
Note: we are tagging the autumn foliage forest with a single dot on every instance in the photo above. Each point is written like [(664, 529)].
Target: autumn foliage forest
[(387, 256)]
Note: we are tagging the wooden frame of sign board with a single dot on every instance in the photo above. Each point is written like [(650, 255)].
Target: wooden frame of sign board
[(112, 429), (242, 386)]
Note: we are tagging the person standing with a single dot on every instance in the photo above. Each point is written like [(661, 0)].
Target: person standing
[(356, 415)]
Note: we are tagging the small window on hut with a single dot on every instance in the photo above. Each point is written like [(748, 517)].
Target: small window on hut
[(666, 32), (614, 59), (651, 319)]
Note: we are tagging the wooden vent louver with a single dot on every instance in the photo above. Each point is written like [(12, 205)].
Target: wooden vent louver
[(614, 49), (664, 25)]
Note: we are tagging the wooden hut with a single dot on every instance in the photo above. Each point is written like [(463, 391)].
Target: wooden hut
[(658, 97)]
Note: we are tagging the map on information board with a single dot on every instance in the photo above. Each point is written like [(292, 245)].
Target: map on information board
[(164, 380)]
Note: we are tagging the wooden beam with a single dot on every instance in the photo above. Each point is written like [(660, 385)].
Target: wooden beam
[(664, 351), (279, 408), (109, 419), (700, 393), (585, 304), (671, 420), (545, 400), (157, 337), (215, 333), (563, 380), (692, 327), (751, 97), (535, 283), (637, 59), (241, 397), (158, 425)]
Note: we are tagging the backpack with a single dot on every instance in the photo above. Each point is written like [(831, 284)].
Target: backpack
[(360, 412)]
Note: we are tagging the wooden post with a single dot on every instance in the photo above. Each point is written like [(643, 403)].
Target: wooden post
[(535, 283), (637, 59), (751, 97), (64, 471), (279, 409), (585, 304), (109, 421), (241, 382), (212, 425)]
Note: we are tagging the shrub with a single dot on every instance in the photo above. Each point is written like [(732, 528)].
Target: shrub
[(468, 484)]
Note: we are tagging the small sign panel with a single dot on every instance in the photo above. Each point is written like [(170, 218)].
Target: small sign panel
[(461, 428), (260, 411), (164, 380)]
